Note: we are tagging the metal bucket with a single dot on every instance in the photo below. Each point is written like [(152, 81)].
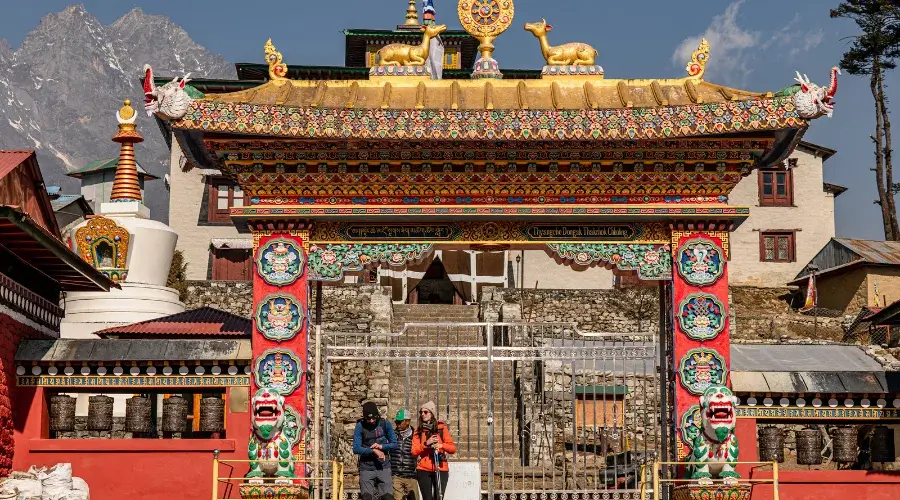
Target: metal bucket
[(137, 414), (771, 444), (844, 443), (212, 414), (62, 413), (100, 413), (174, 414), (809, 447), (882, 447)]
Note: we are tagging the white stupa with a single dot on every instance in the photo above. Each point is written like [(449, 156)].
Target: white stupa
[(123, 243)]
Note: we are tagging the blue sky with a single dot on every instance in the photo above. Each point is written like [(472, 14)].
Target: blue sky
[(756, 45)]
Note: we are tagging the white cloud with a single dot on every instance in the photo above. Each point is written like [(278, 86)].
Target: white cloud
[(733, 48)]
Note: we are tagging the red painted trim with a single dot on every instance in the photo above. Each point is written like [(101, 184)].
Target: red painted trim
[(828, 476), (129, 445)]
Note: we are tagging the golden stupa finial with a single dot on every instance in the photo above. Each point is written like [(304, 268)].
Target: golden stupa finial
[(126, 186), (277, 69), (697, 65), (412, 14)]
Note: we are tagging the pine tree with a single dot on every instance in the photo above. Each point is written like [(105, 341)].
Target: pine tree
[(178, 275), (873, 53)]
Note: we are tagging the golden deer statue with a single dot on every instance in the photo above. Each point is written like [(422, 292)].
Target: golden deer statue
[(401, 54), (567, 54)]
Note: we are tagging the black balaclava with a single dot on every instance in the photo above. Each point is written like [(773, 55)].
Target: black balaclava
[(370, 409)]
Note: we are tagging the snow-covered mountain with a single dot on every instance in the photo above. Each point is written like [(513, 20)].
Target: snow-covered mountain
[(60, 90)]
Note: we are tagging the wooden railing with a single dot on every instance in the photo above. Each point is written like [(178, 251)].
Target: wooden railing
[(34, 307)]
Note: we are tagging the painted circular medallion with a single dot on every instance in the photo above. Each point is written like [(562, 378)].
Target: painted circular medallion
[(701, 368), (701, 316), (280, 262), (280, 317), (700, 262), (486, 18), (279, 370), (294, 426), (691, 424)]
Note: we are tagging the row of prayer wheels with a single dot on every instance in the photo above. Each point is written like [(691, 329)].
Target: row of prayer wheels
[(137, 414), (810, 445)]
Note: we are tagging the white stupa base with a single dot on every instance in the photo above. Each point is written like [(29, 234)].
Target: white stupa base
[(89, 312)]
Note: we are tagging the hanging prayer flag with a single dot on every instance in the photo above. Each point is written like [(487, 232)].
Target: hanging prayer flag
[(812, 298)]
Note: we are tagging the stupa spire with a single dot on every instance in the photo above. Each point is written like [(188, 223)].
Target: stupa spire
[(412, 14), (125, 185)]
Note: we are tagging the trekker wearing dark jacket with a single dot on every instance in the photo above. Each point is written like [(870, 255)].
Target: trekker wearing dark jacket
[(373, 440), (403, 463)]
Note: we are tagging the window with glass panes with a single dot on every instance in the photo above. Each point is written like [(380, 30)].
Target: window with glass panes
[(223, 195), (776, 187), (777, 246)]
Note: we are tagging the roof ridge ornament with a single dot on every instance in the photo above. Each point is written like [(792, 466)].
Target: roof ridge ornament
[(696, 67), (813, 101), (486, 20), (277, 69)]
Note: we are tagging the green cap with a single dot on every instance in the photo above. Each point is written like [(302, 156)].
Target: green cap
[(401, 416)]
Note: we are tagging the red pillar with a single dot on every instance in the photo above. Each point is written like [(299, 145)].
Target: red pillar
[(702, 348), (280, 321)]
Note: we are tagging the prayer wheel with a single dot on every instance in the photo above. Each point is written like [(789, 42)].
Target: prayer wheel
[(882, 447), (809, 447), (62, 413), (174, 417), (771, 444), (137, 414), (100, 413), (844, 443), (212, 414)]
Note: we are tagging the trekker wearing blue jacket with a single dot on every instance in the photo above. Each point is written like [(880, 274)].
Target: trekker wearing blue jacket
[(373, 440)]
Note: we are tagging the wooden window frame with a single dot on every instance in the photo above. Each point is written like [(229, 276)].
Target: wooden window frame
[(213, 213), (218, 254), (774, 200), (778, 233)]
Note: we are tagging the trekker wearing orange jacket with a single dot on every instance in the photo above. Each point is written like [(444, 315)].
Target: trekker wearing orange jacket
[(432, 438)]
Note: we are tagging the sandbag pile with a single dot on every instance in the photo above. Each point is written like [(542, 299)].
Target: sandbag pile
[(41, 483)]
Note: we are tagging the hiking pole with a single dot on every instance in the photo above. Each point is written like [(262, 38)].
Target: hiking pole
[(437, 475)]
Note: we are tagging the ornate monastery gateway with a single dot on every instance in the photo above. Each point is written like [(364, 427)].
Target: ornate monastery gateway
[(629, 174)]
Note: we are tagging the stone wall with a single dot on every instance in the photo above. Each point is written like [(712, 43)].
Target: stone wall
[(628, 310), (765, 314), (345, 308)]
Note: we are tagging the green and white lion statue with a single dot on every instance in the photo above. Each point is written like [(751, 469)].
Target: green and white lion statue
[(715, 448)]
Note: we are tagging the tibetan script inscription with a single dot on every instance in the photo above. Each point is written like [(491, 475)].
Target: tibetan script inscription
[(401, 232), (818, 413), (584, 232)]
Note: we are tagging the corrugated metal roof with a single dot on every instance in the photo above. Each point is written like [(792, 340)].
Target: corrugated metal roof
[(87, 350), (107, 164), (63, 200), (802, 358), (875, 252), (9, 160), (205, 321)]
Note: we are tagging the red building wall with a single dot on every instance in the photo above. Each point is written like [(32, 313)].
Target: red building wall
[(138, 469), (11, 333)]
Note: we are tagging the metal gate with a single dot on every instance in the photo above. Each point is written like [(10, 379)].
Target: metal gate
[(542, 407)]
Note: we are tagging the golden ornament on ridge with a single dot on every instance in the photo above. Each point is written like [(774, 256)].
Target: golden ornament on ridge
[(567, 54), (401, 54)]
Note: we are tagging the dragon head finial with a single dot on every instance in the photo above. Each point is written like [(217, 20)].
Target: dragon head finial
[(169, 101), (813, 101)]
